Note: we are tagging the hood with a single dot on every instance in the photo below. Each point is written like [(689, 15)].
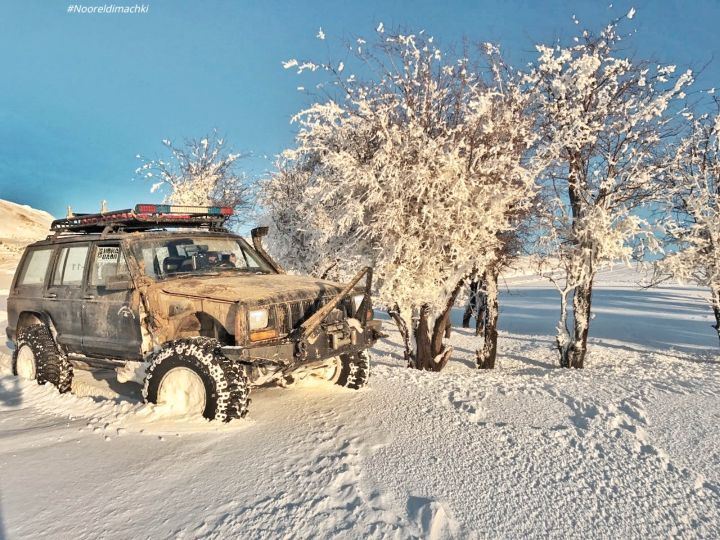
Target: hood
[(252, 288)]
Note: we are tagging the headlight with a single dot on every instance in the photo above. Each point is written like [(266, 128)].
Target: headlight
[(357, 300), (258, 319)]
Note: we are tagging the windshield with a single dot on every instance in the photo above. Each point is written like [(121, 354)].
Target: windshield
[(192, 255)]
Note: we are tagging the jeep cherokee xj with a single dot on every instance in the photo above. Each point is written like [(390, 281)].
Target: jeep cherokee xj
[(171, 299)]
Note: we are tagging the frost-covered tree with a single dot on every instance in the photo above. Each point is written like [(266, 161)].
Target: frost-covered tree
[(413, 171), (692, 229), (606, 119), (201, 172)]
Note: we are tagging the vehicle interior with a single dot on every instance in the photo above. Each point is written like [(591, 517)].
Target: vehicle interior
[(192, 255)]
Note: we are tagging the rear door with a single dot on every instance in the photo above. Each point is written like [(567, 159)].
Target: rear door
[(29, 285), (111, 325), (63, 298)]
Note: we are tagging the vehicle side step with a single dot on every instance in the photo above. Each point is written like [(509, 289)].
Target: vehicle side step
[(103, 363)]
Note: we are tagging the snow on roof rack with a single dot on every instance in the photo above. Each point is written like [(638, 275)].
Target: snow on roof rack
[(144, 217)]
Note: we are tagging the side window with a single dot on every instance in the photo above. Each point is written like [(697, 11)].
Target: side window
[(70, 266), (109, 262), (36, 263)]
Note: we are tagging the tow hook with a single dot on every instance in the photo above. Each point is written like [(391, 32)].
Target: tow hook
[(300, 350)]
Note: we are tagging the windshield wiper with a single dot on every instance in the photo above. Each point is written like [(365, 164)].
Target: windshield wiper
[(192, 274), (243, 270)]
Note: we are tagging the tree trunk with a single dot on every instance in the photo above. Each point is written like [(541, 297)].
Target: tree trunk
[(423, 343), (562, 339), (471, 308), (572, 351), (582, 301), (467, 315), (394, 313), (431, 353), (476, 307), (715, 291), (481, 308), (486, 357)]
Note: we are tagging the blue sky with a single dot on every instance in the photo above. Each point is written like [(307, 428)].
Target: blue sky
[(82, 94)]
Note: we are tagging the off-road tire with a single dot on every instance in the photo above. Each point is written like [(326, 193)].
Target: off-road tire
[(226, 387), (354, 370), (51, 366)]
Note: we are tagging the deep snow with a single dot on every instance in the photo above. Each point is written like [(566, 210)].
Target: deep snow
[(629, 447)]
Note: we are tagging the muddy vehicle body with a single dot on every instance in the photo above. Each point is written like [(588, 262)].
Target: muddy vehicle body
[(169, 298)]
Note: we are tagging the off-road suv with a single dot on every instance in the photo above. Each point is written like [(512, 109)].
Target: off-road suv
[(171, 299)]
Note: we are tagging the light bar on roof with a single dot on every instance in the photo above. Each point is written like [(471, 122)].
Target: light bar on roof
[(158, 209)]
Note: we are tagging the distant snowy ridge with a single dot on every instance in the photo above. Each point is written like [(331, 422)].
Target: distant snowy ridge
[(20, 225)]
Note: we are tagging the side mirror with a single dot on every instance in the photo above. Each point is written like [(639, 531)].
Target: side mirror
[(119, 283)]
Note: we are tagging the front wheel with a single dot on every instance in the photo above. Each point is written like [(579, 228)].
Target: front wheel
[(352, 370), (192, 377)]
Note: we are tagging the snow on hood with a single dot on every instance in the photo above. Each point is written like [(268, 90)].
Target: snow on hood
[(251, 288)]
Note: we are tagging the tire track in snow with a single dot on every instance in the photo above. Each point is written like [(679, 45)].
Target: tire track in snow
[(326, 497)]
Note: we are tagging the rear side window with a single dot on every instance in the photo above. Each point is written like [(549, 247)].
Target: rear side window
[(109, 264), (35, 268), (70, 266)]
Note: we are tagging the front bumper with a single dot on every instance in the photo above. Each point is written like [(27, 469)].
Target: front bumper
[(332, 340)]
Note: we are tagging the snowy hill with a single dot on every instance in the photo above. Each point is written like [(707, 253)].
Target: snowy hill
[(627, 448), (21, 225)]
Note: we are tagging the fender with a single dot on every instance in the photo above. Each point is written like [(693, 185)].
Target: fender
[(27, 318)]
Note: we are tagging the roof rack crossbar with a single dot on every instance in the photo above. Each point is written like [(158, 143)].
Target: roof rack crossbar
[(145, 217)]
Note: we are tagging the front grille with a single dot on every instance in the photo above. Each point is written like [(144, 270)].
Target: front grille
[(302, 310)]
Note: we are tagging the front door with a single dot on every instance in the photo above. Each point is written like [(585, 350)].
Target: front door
[(111, 325), (63, 297)]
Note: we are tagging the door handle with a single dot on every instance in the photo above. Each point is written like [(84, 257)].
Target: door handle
[(89, 297), (51, 295)]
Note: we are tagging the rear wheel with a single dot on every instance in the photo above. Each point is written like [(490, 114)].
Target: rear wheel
[(37, 358), (26, 364), (192, 377), (352, 370)]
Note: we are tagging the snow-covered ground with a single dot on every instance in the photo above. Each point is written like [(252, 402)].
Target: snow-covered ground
[(629, 447)]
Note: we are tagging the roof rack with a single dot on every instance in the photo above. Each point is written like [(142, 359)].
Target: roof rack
[(145, 217)]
